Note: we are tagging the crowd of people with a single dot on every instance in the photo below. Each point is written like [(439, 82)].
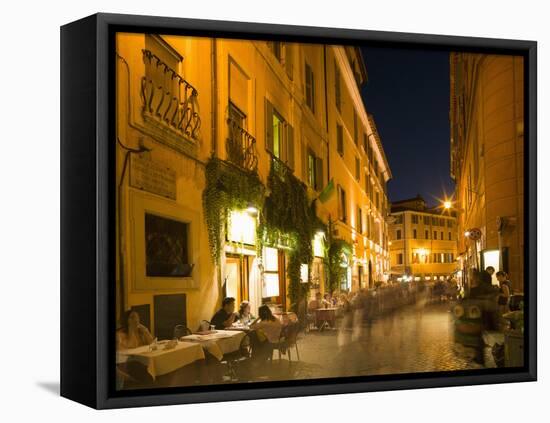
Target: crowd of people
[(351, 309), (264, 331)]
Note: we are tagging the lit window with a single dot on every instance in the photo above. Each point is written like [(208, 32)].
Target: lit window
[(241, 227), (304, 273), (270, 287), (277, 136), (319, 244)]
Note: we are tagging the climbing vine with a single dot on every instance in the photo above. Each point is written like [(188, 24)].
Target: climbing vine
[(289, 219), (335, 262), (228, 187)]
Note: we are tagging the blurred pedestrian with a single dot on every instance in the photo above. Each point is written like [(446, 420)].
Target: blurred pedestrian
[(505, 291)]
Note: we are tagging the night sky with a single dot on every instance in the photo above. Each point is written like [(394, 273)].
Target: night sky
[(408, 94)]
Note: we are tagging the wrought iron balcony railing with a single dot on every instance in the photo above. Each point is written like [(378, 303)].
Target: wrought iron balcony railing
[(168, 99), (241, 147)]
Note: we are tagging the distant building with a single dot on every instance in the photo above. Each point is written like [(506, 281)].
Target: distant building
[(487, 159), (423, 242)]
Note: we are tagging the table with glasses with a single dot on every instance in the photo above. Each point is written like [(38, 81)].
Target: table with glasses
[(218, 342), (326, 316), (164, 357), (238, 326)]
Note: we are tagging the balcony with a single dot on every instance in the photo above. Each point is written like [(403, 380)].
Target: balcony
[(168, 101), (240, 147)]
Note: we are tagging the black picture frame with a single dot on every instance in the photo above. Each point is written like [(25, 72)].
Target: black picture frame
[(88, 216)]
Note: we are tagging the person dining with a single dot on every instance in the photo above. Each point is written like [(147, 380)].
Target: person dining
[(226, 315), (316, 303), (132, 334), (268, 331), (245, 316)]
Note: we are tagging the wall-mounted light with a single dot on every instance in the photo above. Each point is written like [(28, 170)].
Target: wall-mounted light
[(251, 209)]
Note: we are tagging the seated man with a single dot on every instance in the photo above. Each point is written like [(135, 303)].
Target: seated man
[(316, 303), (225, 316)]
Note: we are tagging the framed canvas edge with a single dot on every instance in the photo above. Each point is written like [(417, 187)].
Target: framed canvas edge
[(107, 21)]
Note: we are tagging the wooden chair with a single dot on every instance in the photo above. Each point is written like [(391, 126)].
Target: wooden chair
[(181, 330), (288, 340), (234, 359)]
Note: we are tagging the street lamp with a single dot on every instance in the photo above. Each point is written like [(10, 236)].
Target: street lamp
[(447, 205)]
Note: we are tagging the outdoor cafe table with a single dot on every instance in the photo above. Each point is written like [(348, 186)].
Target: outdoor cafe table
[(326, 315), (219, 342), (163, 361)]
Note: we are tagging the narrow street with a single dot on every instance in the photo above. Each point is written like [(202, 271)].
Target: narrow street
[(412, 339)]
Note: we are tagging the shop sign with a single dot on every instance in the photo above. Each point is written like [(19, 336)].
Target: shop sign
[(152, 177)]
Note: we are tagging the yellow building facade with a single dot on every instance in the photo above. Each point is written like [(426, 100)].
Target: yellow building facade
[(423, 242), (487, 159), (183, 102)]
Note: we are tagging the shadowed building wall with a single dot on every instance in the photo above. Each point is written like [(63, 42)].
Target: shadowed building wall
[(487, 106)]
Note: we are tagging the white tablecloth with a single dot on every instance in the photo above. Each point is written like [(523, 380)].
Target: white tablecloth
[(219, 343), (161, 361)]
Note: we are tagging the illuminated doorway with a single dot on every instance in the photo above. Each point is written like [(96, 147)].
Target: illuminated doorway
[(236, 278)]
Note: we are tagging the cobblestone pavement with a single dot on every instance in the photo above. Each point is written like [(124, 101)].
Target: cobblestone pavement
[(410, 340)]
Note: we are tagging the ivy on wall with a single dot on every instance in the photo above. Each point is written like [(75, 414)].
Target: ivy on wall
[(228, 187), (335, 262), (287, 216), (290, 218)]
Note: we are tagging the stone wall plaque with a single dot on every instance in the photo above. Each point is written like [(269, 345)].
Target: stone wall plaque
[(150, 176)]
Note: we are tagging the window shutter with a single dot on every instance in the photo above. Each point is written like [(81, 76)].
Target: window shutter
[(303, 147), (289, 63), (268, 126), (340, 212), (319, 174), (290, 146)]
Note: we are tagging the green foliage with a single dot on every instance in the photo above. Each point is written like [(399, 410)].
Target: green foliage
[(227, 188), (335, 250), (290, 218), (297, 290)]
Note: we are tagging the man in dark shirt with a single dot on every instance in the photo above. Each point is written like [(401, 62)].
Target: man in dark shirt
[(225, 316)]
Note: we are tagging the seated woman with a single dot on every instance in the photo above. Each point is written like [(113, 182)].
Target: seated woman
[(132, 334), (268, 330), (245, 316)]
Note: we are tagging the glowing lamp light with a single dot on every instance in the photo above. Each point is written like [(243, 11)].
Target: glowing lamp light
[(467, 234), (447, 205), (252, 210), (423, 252), (242, 227)]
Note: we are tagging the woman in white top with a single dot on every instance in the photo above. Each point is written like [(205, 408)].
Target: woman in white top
[(268, 331), (132, 334)]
